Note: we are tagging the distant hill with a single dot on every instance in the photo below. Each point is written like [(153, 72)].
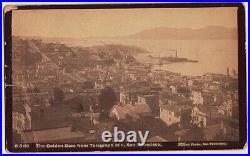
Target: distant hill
[(206, 33), (111, 52), (80, 57)]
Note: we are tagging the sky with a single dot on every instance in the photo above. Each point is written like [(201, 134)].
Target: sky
[(115, 22)]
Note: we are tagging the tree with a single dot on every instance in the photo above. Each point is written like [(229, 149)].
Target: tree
[(185, 117), (107, 99), (184, 90), (58, 95), (197, 133)]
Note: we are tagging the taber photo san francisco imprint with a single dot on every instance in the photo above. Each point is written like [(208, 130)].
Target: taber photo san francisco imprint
[(141, 75)]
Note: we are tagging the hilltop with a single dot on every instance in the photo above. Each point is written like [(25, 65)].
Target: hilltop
[(206, 33)]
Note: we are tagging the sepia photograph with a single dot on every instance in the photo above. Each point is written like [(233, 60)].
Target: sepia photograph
[(123, 77)]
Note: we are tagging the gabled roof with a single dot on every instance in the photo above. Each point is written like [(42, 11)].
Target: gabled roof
[(130, 110), (119, 110), (174, 97), (142, 108), (207, 109)]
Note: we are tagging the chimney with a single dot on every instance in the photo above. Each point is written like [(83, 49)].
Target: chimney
[(228, 74)]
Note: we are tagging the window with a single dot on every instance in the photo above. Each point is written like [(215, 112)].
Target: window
[(203, 122), (196, 118)]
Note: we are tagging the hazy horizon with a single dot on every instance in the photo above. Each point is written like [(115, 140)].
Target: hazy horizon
[(95, 37), (98, 23)]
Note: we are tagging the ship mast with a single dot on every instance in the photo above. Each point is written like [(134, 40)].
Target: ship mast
[(159, 63)]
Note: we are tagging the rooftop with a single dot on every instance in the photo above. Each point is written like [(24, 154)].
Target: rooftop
[(50, 135), (174, 97)]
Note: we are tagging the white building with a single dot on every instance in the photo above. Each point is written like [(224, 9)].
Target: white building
[(197, 97), (124, 98), (170, 114), (203, 115), (199, 117), (226, 108)]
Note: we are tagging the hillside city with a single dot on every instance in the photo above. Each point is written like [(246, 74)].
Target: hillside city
[(68, 94)]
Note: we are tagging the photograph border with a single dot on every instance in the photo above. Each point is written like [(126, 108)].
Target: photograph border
[(166, 146)]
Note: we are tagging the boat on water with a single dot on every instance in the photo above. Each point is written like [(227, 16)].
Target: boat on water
[(177, 59), (172, 59)]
